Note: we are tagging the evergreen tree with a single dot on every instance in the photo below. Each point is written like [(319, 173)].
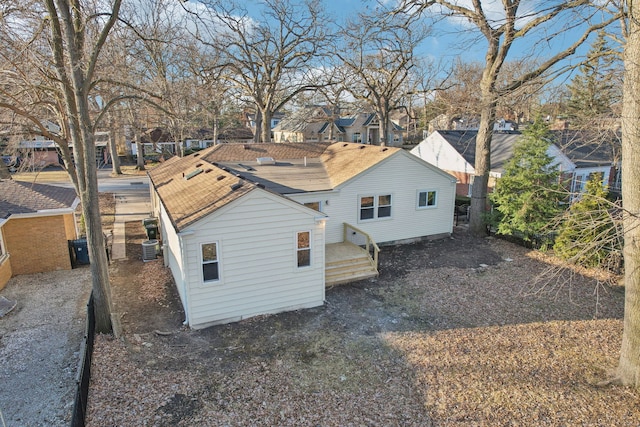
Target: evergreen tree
[(588, 234), (527, 195), (594, 91)]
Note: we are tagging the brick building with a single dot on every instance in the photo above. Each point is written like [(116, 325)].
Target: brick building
[(36, 223)]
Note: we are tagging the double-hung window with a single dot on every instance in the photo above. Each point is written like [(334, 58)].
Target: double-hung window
[(357, 137), (427, 199), (303, 248), (375, 207), (210, 262)]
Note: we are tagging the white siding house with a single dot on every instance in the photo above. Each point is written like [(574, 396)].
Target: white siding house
[(245, 227), (402, 177)]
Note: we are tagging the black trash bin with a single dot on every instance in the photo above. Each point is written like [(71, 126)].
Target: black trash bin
[(80, 251), (152, 232)]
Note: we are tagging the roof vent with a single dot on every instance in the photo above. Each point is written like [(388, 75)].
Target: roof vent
[(345, 145), (220, 177), (266, 161), (362, 147), (236, 186), (246, 147), (207, 170), (198, 165), (260, 185), (192, 174), (196, 155), (384, 149), (247, 168)]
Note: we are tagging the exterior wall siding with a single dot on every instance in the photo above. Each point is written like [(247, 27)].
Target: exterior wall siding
[(172, 253), (402, 177), (257, 261), (70, 226), (37, 244)]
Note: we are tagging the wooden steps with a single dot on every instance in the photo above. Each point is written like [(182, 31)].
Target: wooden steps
[(356, 267)]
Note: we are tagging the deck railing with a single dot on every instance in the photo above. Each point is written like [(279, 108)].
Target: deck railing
[(348, 231)]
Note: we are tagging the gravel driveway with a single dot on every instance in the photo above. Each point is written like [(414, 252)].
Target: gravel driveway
[(39, 346)]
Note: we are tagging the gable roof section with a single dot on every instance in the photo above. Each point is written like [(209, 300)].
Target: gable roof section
[(464, 142), (191, 188), (195, 186), (344, 161), (18, 197), (589, 149)]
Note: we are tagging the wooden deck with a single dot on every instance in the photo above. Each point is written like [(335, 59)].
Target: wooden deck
[(346, 262)]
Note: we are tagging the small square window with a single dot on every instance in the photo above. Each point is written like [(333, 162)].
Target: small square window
[(427, 199)]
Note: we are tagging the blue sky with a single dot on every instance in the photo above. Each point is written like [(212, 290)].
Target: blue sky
[(454, 38)]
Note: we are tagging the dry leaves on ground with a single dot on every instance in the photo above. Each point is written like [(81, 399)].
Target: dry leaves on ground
[(449, 335)]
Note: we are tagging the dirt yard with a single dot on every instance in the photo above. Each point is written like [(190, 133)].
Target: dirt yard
[(456, 332)]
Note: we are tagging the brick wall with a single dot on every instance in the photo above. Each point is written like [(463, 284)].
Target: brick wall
[(37, 244), (5, 270)]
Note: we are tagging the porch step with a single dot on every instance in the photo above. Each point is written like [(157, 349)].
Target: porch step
[(349, 270)]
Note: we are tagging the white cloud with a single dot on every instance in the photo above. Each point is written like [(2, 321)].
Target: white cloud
[(493, 11)]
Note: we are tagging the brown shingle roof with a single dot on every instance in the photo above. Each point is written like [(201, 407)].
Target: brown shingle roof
[(344, 161), (192, 188), (18, 197), (249, 152), (188, 200)]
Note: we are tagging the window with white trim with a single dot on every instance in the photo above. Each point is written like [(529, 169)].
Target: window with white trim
[(210, 262), (303, 248), (375, 207), (357, 137), (427, 199)]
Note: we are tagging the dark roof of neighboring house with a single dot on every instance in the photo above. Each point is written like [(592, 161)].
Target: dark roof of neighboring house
[(155, 135), (464, 142), (18, 197), (589, 148), (236, 134), (228, 171)]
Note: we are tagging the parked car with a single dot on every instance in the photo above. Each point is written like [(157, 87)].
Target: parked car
[(12, 162)]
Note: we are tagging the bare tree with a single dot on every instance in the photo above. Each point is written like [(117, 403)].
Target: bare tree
[(628, 371), (269, 60), (500, 31), (378, 52)]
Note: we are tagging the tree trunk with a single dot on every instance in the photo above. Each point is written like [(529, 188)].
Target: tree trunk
[(4, 171), (113, 149), (68, 48), (258, 128), (628, 371), (482, 167), (266, 125), (139, 148)]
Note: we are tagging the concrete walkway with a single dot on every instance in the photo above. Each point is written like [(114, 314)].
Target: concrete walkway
[(130, 206)]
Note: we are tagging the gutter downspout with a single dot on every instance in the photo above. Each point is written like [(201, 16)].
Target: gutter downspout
[(183, 256)]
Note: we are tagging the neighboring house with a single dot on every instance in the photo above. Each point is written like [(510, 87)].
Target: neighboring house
[(591, 153), (319, 124), (36, 223), (466, 122), (454, 151), (250, 229), (577, 154), (39, 154), (250, 120)]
